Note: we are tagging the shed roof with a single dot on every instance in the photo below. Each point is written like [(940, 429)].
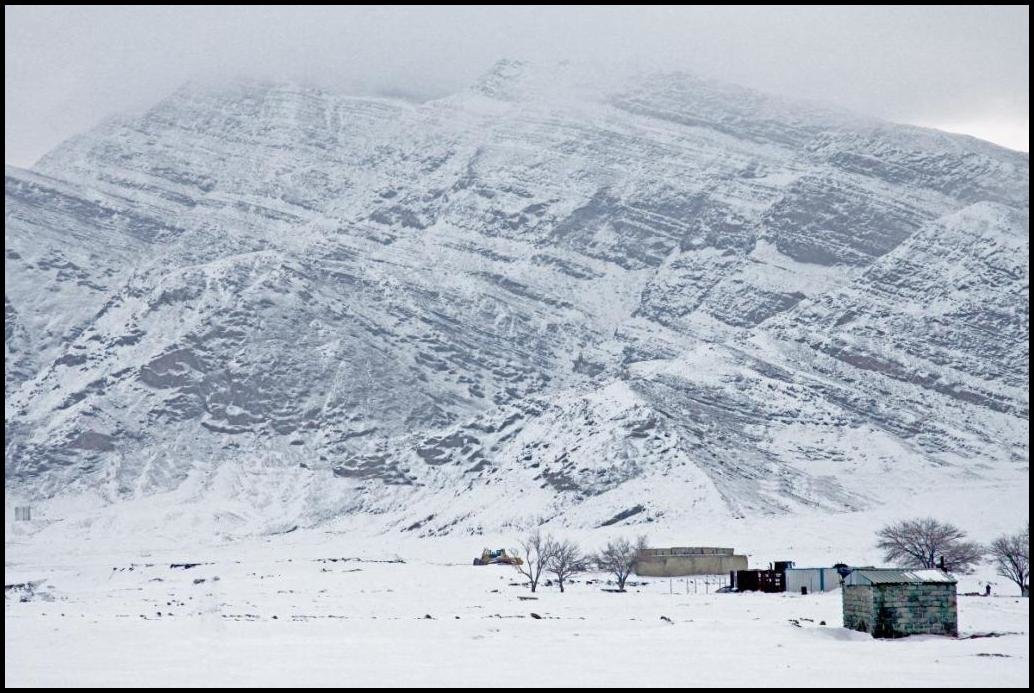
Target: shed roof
[(896, 576)]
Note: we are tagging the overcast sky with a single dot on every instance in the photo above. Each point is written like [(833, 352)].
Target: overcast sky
[(963, 69)]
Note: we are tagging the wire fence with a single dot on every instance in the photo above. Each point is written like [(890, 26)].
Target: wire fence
[(701, 584)]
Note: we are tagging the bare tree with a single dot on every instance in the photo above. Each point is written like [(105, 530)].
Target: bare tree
[(618, 557), (567, 560), (1011, 557), (924, 542), (536, 552)]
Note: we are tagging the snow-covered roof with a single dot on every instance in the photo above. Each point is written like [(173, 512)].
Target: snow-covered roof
[(891, 576)]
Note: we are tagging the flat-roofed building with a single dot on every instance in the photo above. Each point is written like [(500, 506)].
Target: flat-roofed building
[(679, 561)]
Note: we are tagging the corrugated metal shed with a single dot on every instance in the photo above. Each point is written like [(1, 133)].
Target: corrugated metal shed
[(814, 579), (894, 576)]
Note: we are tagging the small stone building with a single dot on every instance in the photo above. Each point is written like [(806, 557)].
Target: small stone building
[(896, 603), (688, 560)]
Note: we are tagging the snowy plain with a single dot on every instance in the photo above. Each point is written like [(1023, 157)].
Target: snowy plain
[(343, 605), (359, 339)]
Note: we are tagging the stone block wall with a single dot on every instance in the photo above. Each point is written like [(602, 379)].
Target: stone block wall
[(897, 610), (859, 608)]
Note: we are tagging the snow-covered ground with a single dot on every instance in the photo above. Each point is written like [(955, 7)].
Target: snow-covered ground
[(262, 326), (337, 607)]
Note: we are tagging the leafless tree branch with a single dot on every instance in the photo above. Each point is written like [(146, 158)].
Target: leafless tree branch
[(1010, 555), (536, 551), (567, 560), (922, 542), (619, 557)]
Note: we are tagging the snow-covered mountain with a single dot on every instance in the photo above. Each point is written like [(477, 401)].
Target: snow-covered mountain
[(557, 293)]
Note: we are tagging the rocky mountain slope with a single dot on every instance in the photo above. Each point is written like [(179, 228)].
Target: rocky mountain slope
[(554, 294)]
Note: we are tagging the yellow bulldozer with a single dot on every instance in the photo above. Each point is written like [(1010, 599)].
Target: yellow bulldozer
[(497, 557)]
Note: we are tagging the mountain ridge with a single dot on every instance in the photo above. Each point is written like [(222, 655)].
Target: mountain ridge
[(677, 285)]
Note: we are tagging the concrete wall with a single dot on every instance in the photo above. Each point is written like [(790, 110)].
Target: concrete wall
[(677, 566), (897, 610)]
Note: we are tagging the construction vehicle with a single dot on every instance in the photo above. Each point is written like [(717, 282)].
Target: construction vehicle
[(497, 557)]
